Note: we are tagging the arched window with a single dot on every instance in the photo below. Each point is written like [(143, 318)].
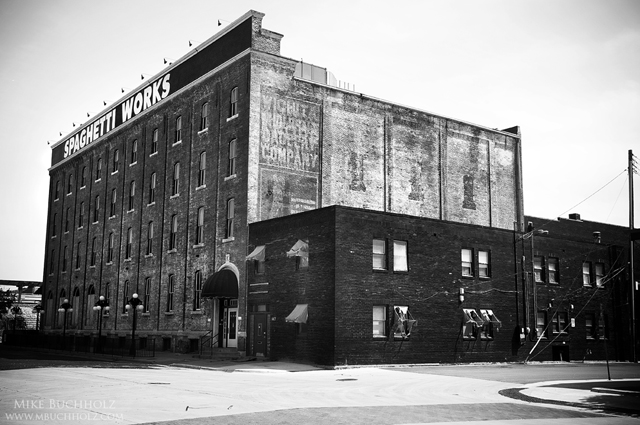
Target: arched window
[(178, 131), (152, 188), (154, 141), (233, 102), (116, 160), (96, 209), (110, 249), (202, 169), (150, 238), (200, 227), (231, 168), (204, 116), (132, 194), (174, 232), (129, 247), (134, 152), (98, 169), (230, 218), (112, 210), (175, 187)]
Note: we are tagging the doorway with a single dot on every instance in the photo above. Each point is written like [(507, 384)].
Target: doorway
[(229, 324), (259, 335)]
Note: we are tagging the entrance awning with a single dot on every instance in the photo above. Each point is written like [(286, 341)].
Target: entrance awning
[(300, 314), (257, 254), (223, 283)]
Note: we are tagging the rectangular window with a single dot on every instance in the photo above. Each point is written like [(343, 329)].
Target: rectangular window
[(400, 261), (150, 238), (112, 209), (81, 215), (174, 232), (98, 169), (554, 269), (152, 188), (302, 262), (175, 187), (541, 324), (230, 218), (483, 264), (589, 324), (170, 289), (379, 254), (259, 266), (134, 152), (379, 321), (147, 295), (467, 261), (132, 195), (599, 275), (116, 160), (154, 141), (233, 102), (96, 209), (178, 131), (202, 166), (129, 246), (197, 288), (200, 227), (204, 116), (560, 320), (231, 168), (586, 273), (538, 268)]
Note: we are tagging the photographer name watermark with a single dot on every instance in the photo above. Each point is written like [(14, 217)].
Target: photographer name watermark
[(50, 410)]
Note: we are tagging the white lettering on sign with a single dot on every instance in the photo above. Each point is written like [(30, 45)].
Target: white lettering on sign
[(90, 133), (146, 98)]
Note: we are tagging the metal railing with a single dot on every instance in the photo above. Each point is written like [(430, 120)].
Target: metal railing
[(207, 342)]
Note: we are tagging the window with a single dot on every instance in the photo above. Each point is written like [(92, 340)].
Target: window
[(200, 227), (589, 321), (175, 187), (66, 221), (541, 324), (490, 325), (132, 195), (231, 168), (78, 255), (170, 289), (93, 252), (553, 268), (472, 324), (599, 275), (403, 322), (112, 209), (259, 266), (586, 273), (197, 289), (57, 195), (110, 249), (98, 169), (233, 104), (54, 226), (560, 320), (96, 209), (379, 320), (64, 259), (400, 263), (467, 262), (147, 295), (125, 292), (379, 254), (154, 141), (483, 264), (201, 169), (174, 232), (204, 116), (134, 152), (83, 177), (81, 216), (70, 184), (129, 246), (116, 160), (538, 268), (178, 131), (152, 188), (302, 262), (230, 218), (150, 238)]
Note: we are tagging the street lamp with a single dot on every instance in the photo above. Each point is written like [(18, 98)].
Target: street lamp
[(101, 305), (135, 304), (64, 308), (37, 310)]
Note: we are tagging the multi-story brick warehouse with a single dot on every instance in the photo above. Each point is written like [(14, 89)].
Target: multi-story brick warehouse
[(155, 194), (343, 286)]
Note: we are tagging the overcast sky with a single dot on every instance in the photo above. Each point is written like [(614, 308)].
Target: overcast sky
[(567, 72)]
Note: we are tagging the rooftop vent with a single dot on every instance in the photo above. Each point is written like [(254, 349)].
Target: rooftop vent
[(574, 216)]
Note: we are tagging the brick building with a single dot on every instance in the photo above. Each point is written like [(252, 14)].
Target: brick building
[(370, 287), (156, 193)]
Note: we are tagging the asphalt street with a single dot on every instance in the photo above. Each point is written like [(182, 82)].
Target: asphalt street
[(185, 390)]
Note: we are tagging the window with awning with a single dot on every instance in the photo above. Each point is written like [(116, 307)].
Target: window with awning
[(258, 258), (300, 250), (491, 324), (300, 314), (471, 323), (403, 322)]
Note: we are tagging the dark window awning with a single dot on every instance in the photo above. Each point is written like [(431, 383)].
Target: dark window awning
[(223, 283), (300, 314)]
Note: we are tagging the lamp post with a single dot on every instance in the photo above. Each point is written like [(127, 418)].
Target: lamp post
[(135, 304), (101, 305), (64, 308), (37, 310)]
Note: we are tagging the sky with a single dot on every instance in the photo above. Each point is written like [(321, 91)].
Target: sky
[(566, 71)]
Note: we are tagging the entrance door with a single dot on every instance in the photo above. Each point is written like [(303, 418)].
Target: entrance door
[(259, 335), (231, 327)]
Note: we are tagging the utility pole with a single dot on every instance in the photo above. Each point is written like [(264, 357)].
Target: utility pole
[(631, 169)]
